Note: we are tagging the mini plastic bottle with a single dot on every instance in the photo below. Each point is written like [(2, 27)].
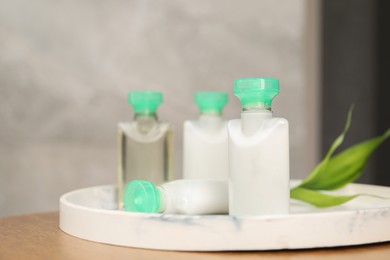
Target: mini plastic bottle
[(258, 152), (145, 144), (205, 143), (190, 197)]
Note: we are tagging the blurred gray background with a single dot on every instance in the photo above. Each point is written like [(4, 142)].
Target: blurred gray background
[(66, 68)]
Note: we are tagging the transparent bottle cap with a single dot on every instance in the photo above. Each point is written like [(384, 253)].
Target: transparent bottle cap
[(142, 196), (211, 101), (256, 92), (145, 102)]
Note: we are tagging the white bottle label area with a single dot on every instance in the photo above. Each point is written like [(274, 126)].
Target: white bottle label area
[(259, 168), (205, 149), (195, 197)]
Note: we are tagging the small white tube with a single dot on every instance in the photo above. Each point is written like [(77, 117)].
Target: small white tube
[(190, 197)]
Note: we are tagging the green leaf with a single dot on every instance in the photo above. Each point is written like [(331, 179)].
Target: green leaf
[(347, 166), (320, 170), (319, 199), (334, 172)]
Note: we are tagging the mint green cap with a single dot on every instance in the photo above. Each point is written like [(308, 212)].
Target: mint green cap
[(211, 101), (142, 196), (256, 92), (145, 102)]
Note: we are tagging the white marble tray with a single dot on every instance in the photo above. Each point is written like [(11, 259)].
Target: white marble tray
[(91, 214)]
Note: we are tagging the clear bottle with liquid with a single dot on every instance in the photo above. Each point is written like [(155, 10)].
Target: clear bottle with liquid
[(205, 143), (258, 152), (145, 144), (189, 197)]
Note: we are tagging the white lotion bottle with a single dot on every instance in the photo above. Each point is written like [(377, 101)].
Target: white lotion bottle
[(189, 197), (205, 142), (258, 152)]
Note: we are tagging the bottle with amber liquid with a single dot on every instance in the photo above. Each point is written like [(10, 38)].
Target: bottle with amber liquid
[(145, 144)]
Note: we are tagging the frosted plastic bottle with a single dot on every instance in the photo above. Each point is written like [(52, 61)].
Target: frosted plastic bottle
[(205, 143), (145, 144), (190, 197), (258, 152)]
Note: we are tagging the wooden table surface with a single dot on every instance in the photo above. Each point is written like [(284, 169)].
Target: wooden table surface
[(38, 236)]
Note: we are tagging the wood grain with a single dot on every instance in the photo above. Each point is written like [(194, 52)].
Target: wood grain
[(37, 236)]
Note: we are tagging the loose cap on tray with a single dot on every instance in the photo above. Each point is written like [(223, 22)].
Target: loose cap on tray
[(142, 196)]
